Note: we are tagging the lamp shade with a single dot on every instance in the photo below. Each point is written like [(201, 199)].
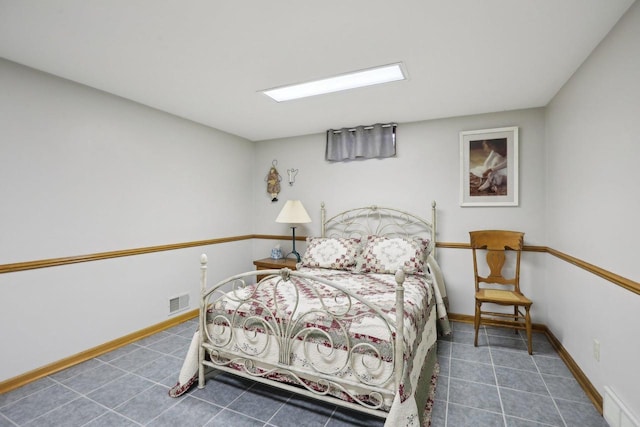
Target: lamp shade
[(293, 213)]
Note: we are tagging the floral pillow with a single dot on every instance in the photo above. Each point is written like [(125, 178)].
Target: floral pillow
[(337, 253), (387, 254)]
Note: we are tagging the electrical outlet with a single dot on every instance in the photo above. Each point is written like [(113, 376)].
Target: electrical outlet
[(596, 349)]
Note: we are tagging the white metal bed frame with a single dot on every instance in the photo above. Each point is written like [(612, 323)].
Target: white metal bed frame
[(216, 340)]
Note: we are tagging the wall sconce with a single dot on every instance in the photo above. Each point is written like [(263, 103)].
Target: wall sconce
[(292, 175)]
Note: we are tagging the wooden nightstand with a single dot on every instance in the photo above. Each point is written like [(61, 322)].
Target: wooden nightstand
[(270, 264)]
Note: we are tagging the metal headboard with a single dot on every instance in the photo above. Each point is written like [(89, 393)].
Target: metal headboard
[(380, 221)]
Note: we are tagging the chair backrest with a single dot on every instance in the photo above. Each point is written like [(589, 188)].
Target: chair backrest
[(496, 243)]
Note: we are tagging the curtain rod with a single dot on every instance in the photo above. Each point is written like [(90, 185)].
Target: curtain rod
[(365, 127)]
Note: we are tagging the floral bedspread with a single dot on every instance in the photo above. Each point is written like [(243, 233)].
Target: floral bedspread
[(332, 321)]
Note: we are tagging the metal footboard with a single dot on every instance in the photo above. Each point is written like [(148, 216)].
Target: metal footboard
[(302, 343)]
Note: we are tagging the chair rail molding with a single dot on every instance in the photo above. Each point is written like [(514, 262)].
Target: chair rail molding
[(621, 281)]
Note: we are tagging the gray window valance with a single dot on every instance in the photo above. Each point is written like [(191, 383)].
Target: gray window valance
[(366, 142)]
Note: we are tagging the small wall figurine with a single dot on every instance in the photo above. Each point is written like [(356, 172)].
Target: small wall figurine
[(273, 181), (292, 175)]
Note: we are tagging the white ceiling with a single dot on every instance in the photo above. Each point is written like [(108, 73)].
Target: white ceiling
[(207, 60)]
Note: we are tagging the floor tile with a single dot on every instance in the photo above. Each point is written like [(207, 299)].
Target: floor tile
[(580, 414), (513, 359), (189, 325), (90, 380), (542, 347), (76, 370), (146, 406), (519, 422), (467, 337), (36, 404), (120, 390), (505, 332), (530, 406), (344, 418), (471, 353), (171, 379), (25, 390), (119, 352), (260, 401), (228, 418), (135, 359), (474, 395), (221, 389), (4, 422), (462, 416), (552, 365), (521, 380), (152, 339), (75, 413), (188, 333), (169, 344), (444, 363), (188, 412), (111, 419), (462, 326), (506, 342), (472, 371), (439, 413), (157, 369), (444, 348), (300, 412), (442, 388), (565, 388)]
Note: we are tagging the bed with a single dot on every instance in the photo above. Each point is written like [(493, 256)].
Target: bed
[(330, 329)]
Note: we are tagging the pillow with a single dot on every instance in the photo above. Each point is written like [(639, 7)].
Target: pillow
[(387, 254), (337, 253)]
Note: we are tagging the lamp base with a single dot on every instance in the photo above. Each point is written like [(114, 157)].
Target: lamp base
[(297, 255), (293, 244)]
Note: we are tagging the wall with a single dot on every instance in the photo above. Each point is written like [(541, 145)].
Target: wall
[(83, 172), (592, 209), (426, 168)]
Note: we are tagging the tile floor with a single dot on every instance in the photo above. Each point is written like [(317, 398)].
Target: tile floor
[(499, 384), (495, 384)]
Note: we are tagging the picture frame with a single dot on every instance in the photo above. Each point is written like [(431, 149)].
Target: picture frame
[(489, 167)]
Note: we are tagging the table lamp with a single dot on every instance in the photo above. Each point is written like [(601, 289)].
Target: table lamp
[(293, 213)]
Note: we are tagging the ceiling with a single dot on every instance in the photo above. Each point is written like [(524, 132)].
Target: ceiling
[(208, 60)]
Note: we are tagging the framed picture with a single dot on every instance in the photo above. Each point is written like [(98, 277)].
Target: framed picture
[(489, 167)]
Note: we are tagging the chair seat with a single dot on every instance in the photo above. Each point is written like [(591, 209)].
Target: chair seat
[(500, 296)]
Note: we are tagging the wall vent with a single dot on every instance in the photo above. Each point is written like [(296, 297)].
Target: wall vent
[(615, 412), (179, 303)]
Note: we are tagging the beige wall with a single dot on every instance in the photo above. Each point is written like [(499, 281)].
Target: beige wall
[(593, 202), (82, 172)]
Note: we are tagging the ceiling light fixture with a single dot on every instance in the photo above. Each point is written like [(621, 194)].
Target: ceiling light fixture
[(368, 77)]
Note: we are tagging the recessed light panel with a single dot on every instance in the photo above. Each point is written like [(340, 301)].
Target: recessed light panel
[(371, 76)]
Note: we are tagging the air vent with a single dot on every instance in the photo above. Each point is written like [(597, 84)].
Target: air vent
[(178, 304)]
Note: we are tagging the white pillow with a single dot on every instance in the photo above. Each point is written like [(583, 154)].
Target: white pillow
[(388, 254), (337, 253)]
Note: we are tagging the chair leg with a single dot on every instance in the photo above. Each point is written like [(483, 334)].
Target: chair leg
[(528, 325), (476, 322), (515, 317)]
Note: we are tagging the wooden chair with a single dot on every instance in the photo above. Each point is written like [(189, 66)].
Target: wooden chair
[(495, 288)]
